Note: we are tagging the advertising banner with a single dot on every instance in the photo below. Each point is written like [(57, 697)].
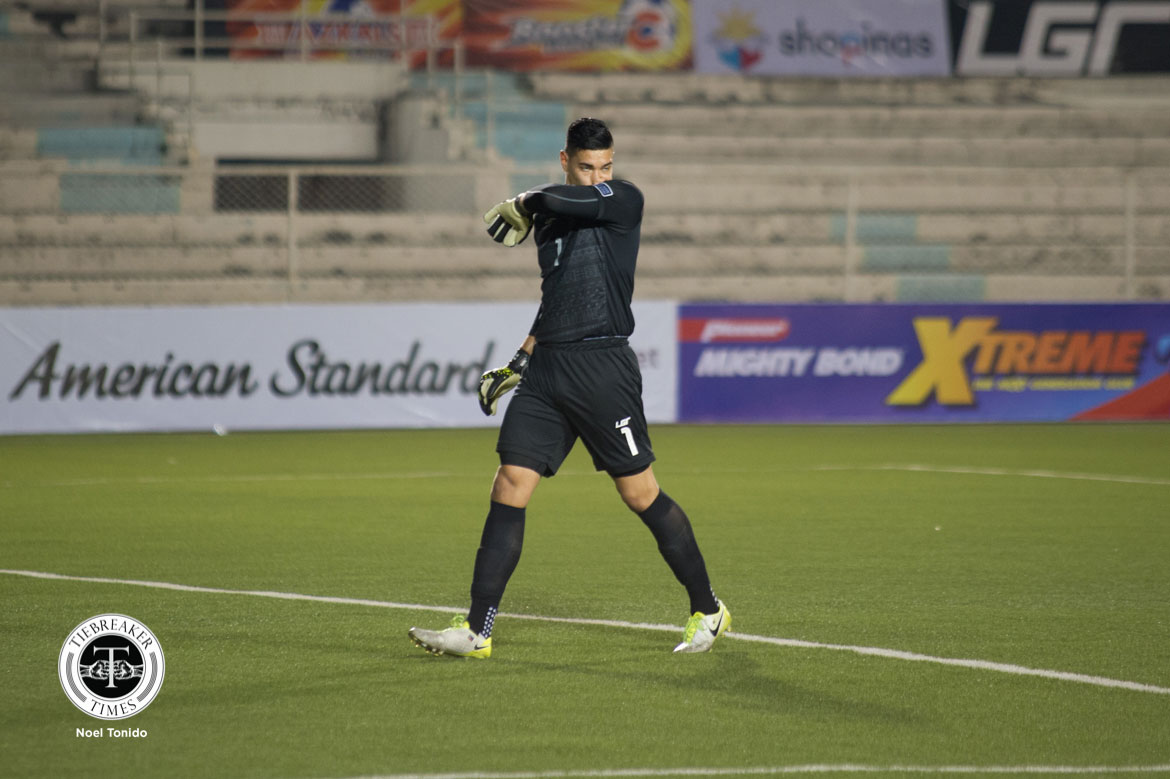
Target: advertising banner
[(1043, 38), (822, 37), (592, 35), (923, 363), (379, 28), (278, 367)]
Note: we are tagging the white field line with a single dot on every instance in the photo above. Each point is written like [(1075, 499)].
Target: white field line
[(844, 768), (235, 478), (891, 654), (409, 475), (980, 471)]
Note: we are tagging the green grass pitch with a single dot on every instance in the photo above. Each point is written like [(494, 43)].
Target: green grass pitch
[(1043, 546)]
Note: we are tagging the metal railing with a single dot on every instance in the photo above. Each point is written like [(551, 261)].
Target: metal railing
[(421, 219)]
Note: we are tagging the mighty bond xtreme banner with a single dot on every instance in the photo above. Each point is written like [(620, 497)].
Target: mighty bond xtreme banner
[(277, 367), (924, 363)]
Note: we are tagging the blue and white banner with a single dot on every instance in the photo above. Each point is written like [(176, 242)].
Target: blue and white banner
[(277, 367), (822, 37), (977, 362)]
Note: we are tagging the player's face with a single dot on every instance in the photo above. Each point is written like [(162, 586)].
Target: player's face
[(587, 167)]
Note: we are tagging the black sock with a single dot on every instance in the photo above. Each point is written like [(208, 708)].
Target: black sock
[(676, 542), (499, 551)]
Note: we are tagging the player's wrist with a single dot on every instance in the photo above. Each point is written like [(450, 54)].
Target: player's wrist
[(519, 362), (521, 209)]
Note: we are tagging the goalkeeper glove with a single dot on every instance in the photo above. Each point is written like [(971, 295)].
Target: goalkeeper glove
[(508, 223), (493, 385)]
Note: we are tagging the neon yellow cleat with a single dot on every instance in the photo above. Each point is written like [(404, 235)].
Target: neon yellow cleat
[(458, 640), (703, 629)]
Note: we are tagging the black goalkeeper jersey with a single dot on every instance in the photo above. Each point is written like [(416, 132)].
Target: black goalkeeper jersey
[(587, 243)]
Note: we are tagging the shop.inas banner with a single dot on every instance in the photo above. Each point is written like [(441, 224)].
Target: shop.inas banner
[(587, 35), (839, 38), (924, 363)]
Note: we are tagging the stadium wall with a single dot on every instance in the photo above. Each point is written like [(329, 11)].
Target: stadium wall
[(226, 368)]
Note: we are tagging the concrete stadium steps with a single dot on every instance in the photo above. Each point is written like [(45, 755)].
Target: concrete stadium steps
[(1055, 259), (41, 46), (79, 192), (873, 228), (690, 88), (266, 81), (660, 226), (218, 291), (760, 188), (236, 230), (733, 187), (97, 262), (19, 24), (40, 154), (17, 143), (789, 121), (665, 146), (487, 261), (115, 187), (743, 287), (69, 110), (673, 286), (897, 227), (27, 73), (163, 262), (84, 262), (896, 288), (730, 196), (969, 227), (117, 230), (29, 195)]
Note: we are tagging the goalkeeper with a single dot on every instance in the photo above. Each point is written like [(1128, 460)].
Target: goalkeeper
[(575, 377)]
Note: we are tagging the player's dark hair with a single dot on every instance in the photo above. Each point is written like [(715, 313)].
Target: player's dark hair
[(587, 133)]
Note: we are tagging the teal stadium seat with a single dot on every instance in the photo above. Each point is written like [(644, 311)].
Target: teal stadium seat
[(84, 192)]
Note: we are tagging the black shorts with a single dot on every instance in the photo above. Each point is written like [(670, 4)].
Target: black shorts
[(592, 391)]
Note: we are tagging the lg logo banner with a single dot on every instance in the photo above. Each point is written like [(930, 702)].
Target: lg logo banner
[(1060, 38)]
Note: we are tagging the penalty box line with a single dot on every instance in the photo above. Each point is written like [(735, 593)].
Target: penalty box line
[(891, 654)]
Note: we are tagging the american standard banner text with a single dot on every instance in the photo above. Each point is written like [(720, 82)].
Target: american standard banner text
[(276, 367), (309, 371)]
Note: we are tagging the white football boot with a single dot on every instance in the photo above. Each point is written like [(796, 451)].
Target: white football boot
[(703, 629), (458, 640)]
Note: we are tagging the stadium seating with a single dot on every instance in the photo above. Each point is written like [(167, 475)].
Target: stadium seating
[(960, 189), (757, 189)]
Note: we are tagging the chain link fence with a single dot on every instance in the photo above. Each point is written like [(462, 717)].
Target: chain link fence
[(356, 193)]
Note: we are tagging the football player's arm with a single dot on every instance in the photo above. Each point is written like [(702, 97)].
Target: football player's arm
[(617, 202)]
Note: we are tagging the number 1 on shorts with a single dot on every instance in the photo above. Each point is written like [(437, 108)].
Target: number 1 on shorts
[(624, 427)]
